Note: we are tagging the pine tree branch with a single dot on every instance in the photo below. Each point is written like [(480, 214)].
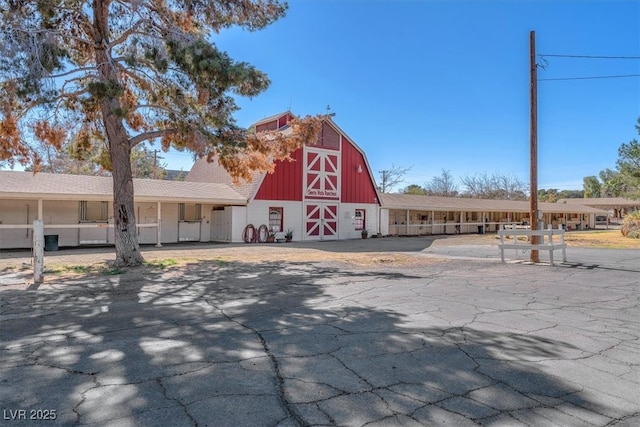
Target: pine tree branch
[(150, 135), (75, 70), (129, 32)]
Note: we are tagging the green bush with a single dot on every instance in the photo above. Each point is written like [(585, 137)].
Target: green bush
[(631, 225)]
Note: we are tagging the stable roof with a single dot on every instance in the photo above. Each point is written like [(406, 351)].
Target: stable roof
[(50, 186), (439, 203), (603, 202), (212, 172)]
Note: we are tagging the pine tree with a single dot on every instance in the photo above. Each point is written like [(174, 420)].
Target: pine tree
[(120, 73)]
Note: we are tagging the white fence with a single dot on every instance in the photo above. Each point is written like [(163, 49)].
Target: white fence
[(439, 227), (82, 226), (39, 242), (548, 245)]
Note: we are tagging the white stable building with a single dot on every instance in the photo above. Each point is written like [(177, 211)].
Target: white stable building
[(327, 192), (78, 209)]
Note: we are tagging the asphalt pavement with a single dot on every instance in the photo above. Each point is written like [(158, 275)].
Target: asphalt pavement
[(457, 338)]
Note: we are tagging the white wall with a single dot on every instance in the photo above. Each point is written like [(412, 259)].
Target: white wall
[(294, 217), (258, 214), (169, 222), (17, 212), (146, 213), (237, 218), (22, 212), (384, 222), (234, 221), (347, 224)]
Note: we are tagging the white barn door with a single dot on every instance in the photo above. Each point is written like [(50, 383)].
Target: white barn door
[(321, 221)]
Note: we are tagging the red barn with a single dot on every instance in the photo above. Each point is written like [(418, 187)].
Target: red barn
[(327, 192)]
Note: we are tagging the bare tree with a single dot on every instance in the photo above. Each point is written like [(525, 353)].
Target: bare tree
[(443, 185), (392, 177), (496, 186), (95, 161)]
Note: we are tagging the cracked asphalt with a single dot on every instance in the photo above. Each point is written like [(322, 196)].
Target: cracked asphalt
[(463, 341)]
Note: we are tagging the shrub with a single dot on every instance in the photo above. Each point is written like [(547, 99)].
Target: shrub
[(631, 225)]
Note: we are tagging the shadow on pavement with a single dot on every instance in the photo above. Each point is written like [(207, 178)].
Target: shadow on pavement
[(386, 244), (587, 266), (235, 344)]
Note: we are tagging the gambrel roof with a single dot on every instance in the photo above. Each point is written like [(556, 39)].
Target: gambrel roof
[(213, 172)]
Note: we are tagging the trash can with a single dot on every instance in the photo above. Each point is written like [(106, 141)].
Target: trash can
[(481, 229), (51, 242)]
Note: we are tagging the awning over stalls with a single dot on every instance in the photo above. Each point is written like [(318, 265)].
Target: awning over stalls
[(49, 186), (461, 204), (617, 204)]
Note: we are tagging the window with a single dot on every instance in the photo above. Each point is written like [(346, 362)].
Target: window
[(188, 212), (360, 219), (94, 211), (275, 219)]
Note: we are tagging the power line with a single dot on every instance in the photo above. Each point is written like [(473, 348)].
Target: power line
[(588, 56), (592, 77), (544, 64)]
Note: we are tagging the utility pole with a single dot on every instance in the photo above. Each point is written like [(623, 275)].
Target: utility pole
[(384, 181), (155, 163), (533, 144)]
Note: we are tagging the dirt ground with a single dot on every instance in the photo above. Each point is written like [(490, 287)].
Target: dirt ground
[(81, 262), (611, 239), (358, 254)]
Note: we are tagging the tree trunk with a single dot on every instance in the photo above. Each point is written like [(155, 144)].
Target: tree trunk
[(125, 231), (126, 237)]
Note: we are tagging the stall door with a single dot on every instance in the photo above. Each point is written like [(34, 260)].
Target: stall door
[(321, 221), (219, 226), (189, 231)]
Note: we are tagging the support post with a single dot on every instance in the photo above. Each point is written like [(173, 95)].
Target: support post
[(407, 222), (38, 251), (501, 243), (533, 146), (433, 222), (564, 248), (159, 227)]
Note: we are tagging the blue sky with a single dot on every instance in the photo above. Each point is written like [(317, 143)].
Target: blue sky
[(437, 84), (444, 84)]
